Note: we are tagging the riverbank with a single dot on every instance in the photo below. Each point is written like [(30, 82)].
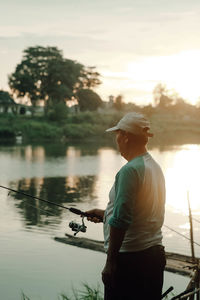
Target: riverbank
[(167, 128)]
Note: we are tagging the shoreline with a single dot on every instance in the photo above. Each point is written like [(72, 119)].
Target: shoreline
[(167, 129)]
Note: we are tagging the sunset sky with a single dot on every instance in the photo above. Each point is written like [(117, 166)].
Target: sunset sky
[(134, 44)]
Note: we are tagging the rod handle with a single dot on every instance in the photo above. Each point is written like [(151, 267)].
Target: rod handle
[(82, 213), (76, 211)]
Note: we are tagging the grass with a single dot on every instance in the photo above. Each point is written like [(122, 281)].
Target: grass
[(87, 293), (85, 125), (24, 297)]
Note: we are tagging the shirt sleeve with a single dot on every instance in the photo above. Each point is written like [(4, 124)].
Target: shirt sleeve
[(126, 186)]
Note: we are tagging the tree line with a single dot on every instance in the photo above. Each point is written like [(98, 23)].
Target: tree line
[(44, 75)]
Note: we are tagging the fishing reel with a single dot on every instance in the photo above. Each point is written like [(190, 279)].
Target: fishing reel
[(78, 227)]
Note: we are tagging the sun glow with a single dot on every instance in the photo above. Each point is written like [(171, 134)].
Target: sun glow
[(182, 177), (180, 72)]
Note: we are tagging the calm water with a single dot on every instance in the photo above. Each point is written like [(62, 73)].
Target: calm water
[(79, 176)]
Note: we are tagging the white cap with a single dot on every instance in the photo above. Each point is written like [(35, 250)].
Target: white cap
[(134, 123)]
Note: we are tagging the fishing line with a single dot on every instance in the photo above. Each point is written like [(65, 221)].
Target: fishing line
[(71, 209), (195, 219), (37, 208), (180, 234), (40, 209), (180, 211)]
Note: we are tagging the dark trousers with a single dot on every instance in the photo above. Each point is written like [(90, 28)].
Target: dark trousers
[(139, 275)]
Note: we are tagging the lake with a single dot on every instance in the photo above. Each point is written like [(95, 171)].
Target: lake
[(79, 175)]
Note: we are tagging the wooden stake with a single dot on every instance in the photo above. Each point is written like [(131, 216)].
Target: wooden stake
[(191, 229)]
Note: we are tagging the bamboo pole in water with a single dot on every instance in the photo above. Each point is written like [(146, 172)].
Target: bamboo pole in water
[(191, 297), (197, 270), (191, 229), (197, 280)]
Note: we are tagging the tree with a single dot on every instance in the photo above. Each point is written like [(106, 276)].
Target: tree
[(118, 103), (88, 100), (44, 74), (172, 101), (147, 110), (29, 76), (161, 96), (181, 106), (59, 112), (89, 78), (59, 84)]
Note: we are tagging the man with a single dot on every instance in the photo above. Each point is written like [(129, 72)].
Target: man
[(133, 218)]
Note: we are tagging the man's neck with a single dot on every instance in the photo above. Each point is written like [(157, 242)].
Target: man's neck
[(131, 154)]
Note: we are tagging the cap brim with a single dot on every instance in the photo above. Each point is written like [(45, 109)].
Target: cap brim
[(112, 129)]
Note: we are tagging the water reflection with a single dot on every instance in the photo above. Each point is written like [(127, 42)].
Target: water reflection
[(78, 174), (34, 154), (168, 140), (182, 176), (61, 190), (39, 152)]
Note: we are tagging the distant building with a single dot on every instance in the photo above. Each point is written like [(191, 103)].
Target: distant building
[(108, 106), (7, 104)]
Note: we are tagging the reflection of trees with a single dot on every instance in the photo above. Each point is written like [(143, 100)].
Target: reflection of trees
[(55, 150), (34, 211), (60, 190), (84, 149), (40, 152), (79, 189), (78, 148)]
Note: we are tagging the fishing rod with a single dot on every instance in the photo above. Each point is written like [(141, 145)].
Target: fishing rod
[(74, 226)]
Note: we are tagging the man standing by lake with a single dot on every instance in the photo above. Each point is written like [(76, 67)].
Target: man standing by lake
[(133, 218)]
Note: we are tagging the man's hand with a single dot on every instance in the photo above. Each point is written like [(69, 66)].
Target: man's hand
[(108, 273), (115, 242), (95, 215)]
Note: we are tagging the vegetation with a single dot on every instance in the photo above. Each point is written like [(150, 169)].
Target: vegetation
[(74, 126), (58, 113), (167, 126), (45, 75), (31, 129), (118, 103), (88, 100), (87, 293)]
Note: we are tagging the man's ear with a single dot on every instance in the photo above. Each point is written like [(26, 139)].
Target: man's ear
[(126, 139)]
